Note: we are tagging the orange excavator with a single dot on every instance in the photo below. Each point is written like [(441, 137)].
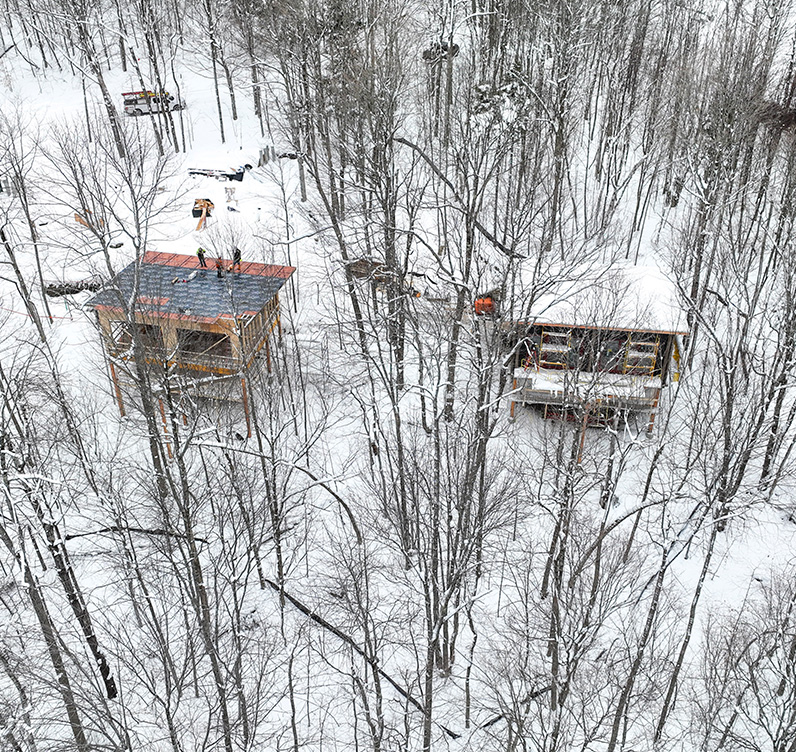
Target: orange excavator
[(487, 304), (484, 306)]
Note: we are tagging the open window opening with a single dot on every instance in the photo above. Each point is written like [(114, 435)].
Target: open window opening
[(151, 336), (194, 342)]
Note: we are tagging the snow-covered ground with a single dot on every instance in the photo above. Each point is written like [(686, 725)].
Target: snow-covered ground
[(370, 568)]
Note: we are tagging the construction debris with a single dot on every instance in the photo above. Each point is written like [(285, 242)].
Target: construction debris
[(236, 174), (202, 208), (57, 289), (89, 221)]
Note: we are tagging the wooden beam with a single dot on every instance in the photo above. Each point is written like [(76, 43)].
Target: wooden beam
[(246, 408), (513, 399), (583, 426), (118, 390), (654, 410), (165, 428)]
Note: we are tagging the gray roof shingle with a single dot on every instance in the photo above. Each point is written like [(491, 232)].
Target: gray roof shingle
[(185, 289)]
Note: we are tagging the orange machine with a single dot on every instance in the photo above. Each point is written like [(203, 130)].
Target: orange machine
[(484, 306)]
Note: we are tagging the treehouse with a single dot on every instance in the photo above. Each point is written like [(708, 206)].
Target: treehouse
[(596, 350), (206, 324)]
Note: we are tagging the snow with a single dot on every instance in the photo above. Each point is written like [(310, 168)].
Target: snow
[(614, 384), (331, 412), (641, 298)]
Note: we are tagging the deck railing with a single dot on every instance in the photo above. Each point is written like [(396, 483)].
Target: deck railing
[(182, 359)]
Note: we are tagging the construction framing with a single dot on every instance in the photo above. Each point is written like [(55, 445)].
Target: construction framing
[(208, 324)]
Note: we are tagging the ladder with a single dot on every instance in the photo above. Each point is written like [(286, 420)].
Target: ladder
[(641, 355)]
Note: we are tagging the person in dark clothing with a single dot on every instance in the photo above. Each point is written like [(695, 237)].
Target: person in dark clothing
[(200, 254), (219, 268), (236, 254)]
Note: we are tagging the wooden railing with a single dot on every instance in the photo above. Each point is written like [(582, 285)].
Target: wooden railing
[(182, 359)]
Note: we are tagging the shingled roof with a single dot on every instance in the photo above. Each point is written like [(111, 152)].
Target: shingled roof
[(172, 285)]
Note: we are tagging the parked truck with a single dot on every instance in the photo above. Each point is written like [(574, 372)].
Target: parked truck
[(150, 102)]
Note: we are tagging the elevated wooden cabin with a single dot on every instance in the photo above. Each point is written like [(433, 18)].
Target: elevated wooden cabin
[(597, 350), (205, 322)]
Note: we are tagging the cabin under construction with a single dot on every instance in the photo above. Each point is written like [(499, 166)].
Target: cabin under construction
[(601, 351), (207, 324)]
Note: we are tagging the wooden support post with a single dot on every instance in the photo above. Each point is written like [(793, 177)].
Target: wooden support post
[(268, 354), (170, 343), (165, 428), (584, 423), (246, 408), (117, 389), (513, 399), (653, 411)]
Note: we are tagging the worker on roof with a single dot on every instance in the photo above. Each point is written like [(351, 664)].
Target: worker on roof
[(236, 254), (200, 254)]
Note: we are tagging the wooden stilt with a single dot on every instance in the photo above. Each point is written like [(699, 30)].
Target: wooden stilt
[(165, 428), (513, 399), (583, 425), (654, 411), (117, 390), (268, 354), (246, 408)]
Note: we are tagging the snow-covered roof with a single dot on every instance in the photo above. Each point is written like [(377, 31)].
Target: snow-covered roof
[(639, 298), (174, 285)]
